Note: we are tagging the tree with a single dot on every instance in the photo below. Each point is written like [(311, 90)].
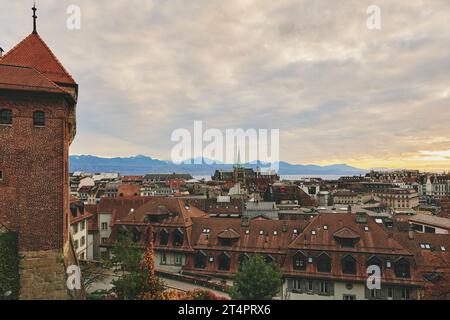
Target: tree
[(153, 288), (126, 261), (257, 280)]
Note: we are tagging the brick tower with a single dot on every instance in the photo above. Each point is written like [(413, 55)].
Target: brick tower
[(37, 124)]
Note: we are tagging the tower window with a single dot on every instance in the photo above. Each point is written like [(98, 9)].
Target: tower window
[(1, 175), (39, 118), (5, 116)]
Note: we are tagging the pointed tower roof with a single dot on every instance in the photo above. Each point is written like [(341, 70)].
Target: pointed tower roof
[(33, 52)]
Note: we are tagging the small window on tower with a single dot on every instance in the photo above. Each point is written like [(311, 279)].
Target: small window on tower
[(39, 118), (5, 116), (1, 175)]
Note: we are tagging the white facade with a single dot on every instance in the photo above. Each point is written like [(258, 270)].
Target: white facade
[(104, 222), (79, 233)]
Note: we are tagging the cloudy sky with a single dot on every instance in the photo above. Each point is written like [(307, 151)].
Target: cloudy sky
[(338, 92)]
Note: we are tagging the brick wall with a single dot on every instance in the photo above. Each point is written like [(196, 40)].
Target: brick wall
[(34, 195)]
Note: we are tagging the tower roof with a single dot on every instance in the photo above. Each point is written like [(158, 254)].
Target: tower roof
[(33, 52)]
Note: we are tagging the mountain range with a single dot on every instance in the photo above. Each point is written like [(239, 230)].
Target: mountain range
[(140, 165)]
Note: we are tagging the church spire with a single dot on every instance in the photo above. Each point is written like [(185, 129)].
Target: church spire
[(34, 18)]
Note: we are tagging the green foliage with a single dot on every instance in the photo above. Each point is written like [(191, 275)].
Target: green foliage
[(126, 262), (135, 279), (9, 266), (257, 280)]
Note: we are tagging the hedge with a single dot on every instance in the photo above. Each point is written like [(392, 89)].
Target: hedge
[(9, 266)]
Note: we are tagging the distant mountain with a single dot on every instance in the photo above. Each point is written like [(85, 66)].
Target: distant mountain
[(139, 165)]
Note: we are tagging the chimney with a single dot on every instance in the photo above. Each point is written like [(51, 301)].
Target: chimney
[(411, 232)]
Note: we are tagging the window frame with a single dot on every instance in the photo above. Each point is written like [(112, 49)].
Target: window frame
[(39, 118)]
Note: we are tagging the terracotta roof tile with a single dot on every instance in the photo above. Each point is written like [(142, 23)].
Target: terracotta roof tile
[(33, 52), (25, 78)]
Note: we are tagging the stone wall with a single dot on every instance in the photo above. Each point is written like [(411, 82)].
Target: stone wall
[(42, 276)]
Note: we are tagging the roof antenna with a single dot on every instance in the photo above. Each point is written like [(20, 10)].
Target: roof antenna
[(34, 18)]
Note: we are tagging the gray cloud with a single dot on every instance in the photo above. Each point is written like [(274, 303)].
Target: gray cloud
[(336, 90)]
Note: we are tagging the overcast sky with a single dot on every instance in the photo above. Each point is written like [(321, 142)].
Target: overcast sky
[(338, 92)]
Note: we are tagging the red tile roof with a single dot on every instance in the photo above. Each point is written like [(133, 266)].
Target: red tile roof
[(33, 52), (25, 78)]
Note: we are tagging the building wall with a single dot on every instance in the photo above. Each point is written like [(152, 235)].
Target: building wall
[(77, 237), (170, 261), (34, 192), (104, 234)]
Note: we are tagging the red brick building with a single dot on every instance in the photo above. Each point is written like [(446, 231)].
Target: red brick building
[(37, 124)]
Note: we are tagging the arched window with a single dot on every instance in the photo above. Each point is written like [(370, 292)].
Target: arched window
[(269, 258), (299, 261), (324, 262), (348, 265), (178, 237), (224, 261), (164, 237), (6, 116), (402, 268), (39, 118), (200, 260)]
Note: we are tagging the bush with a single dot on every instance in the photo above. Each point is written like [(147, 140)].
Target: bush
[(9, 266)]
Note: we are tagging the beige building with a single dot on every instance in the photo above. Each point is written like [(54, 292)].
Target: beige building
[(398, 198), (350, 197)]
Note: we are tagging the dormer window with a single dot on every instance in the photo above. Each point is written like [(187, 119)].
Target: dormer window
[(6, 116), (348, 265), (402, 268), (224, 261), (39, 118), (299, 262), (375, 261), (200, 260), (324, 262), (325, 227), (164, 237), (178, 237), (313, 232)]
